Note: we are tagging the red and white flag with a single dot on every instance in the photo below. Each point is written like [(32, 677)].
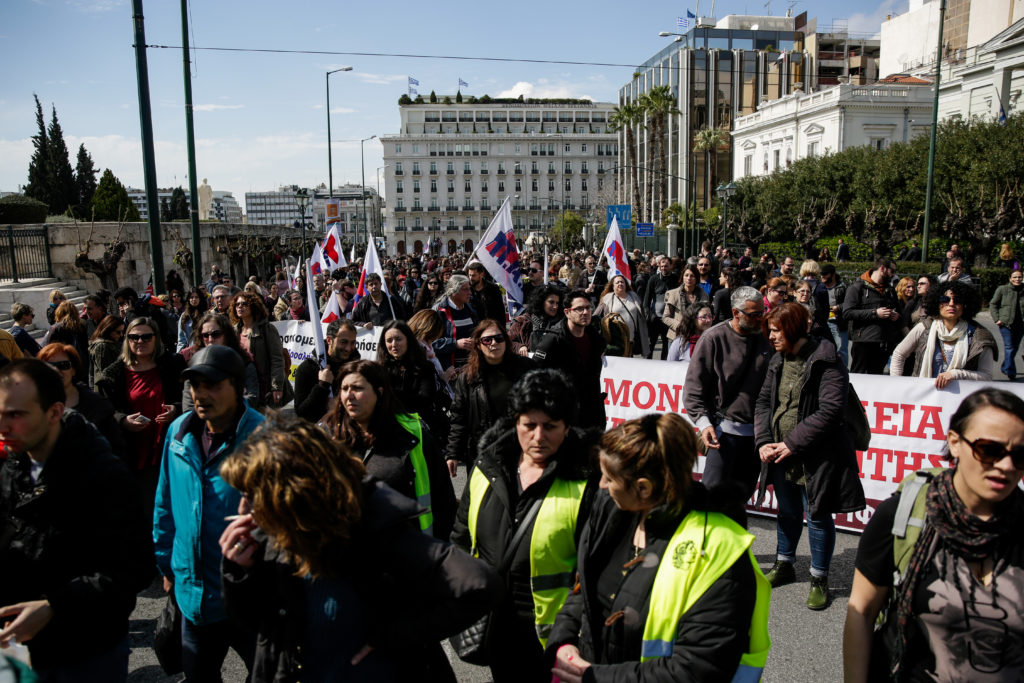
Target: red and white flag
[(316, 261), (332, 311), (331, 253), (615, 251)]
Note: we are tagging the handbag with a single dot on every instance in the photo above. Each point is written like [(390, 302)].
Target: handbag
[(167, 638), (471, 644)]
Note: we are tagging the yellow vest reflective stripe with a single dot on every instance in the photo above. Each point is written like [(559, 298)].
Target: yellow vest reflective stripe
[(421, 477), (552, 545), (683, 577)]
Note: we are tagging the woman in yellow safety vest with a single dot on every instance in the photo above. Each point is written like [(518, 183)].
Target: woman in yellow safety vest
[(668, 590), (523, 510), (395, 446)]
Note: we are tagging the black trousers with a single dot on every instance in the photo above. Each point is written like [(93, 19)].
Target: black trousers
[(731, 472), (657, 330), (868, 358)]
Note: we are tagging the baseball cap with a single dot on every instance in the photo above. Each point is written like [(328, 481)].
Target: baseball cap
[(214, 363)]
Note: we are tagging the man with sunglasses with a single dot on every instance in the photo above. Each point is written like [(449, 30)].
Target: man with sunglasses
[(534, 278), (575, 346), (873, 313), (723, 381)]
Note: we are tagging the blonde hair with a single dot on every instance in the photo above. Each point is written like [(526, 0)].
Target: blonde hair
[(810, 267), (127, 355)]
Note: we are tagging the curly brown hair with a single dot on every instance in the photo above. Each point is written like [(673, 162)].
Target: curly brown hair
[(305, 489), (256, 306)]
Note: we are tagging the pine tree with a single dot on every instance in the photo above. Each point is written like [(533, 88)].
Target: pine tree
[(39, 175), (64, 193), (165, 211), (179, 205), (110, 201), (85, 182)]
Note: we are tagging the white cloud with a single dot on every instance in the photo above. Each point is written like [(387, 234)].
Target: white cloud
[(379, 79), (871, 22), (543, 89), (97, 5), (215, 107), (336, 110)]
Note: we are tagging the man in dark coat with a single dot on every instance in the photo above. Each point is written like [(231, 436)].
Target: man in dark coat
[(74, 540), (592, 280), (313, 385), (576, 347), (872, 312), (377, 307), (654, 304), (484, 295), (130, 306)]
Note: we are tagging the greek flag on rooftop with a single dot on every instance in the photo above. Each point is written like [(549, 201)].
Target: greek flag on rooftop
[(413, 81), (463, 84)]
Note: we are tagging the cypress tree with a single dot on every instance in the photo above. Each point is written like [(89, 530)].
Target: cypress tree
[(179, 205), (39, 175), (85, 182), (165, 211), (110, 201), (63, 192)]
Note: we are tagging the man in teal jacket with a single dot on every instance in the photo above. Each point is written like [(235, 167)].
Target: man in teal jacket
[(192, 502)]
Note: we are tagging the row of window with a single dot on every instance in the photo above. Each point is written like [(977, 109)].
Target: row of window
[(482, 149), (776, 158), (514, 117), (467, 169), (419, 226), (417, 205)]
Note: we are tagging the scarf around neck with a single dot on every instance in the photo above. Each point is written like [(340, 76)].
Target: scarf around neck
[(938, 333)]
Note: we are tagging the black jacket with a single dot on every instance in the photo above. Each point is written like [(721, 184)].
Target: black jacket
[(860, 310), (820, 439), (472, 413), (78, 537), (417, 389), (363, 313), (654, 293), (600, 280), (312, 395), (113, 385), (713, 634), (556, 350), (100, 413), (488, 302), (410, 590)]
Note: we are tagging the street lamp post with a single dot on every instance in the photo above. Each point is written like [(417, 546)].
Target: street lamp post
[(302, 201), (376, 220), (724, 192), (362, 163), (330, 165)]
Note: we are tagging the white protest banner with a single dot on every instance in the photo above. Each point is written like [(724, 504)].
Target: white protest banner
[(908, 418), (366, 342), (297, 337)]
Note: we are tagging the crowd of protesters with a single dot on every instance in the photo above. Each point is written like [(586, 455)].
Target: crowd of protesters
[(309, 522)]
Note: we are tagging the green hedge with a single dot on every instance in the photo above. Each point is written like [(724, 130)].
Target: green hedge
[(987, 278), (937, 248), (18, 208)]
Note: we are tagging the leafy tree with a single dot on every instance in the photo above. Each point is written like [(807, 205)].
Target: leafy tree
[(85, 182), (568, 228), (626, 117), (405, 99), (64, 193), (110, 202), (447, 99), (179, 205), (709, 140), (39, 174), (16, 208)]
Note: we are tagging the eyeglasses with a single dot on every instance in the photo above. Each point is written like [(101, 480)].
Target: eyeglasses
[(950, 300), (241, 304), (582, 309), (924, 283), (751, 314), (216, 334), (705, 317), (533, 270), (781, 292), (989, 452), (492, 339), (141, 337), (61, 364)]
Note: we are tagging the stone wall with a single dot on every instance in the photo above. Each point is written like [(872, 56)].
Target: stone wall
[(135, 267)]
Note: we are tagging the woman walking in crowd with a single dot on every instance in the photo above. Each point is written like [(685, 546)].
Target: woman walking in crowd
[(806, 453), (1007, 308), (296, 306), (818, 315), (482, 391), (195, 307), (214, 329), (144, 386), (696, 321), (1007, 259), (428, 326), (953, 612), (729, 279), (56, 299), (668, 589), (394, 445), (428, 294), (326, 565), (679, 299), (69, 328), (175, 305), (263, 343), (96, 409), (619, 297), (776, 293), (413, 378), (906, 293), (543, 310), (949, 344), (22, 316), (913, 313), (527, 501), (105, 346)]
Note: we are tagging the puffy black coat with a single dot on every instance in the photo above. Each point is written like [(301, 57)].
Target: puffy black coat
[(412, 591), (712, 636), (78, 537), (860, 311), (472, 413), (556, 350), (820, 438)]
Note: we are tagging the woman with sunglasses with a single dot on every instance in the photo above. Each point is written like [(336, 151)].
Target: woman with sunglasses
[(429, 293), (263, 343), (105, 346), (776, 293), (195, 306), (954, 612), (481, 391), (214, 329), (144, 386), (56, 299), (96, 409), (949, 344)]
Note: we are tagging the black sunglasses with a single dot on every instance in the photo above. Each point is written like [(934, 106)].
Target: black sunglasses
[(492, 339), (989, 452), (532, 270), (61, 364), (141, 337), (950, 300), (216, 334)]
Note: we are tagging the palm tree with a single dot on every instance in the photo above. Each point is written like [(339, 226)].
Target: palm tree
[(658, 103), (625, 118), (708, 140)]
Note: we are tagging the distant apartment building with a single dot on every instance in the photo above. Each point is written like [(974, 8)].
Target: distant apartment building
[(451, 165), (223, 208), (278, 207)]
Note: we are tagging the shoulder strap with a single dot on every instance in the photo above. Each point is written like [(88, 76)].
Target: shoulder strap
[(910, 489), (510, 551)]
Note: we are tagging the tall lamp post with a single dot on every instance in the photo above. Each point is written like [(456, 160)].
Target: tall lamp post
[(362, 163), (376, 220), (302, 201), (724, 192), (330, 165)]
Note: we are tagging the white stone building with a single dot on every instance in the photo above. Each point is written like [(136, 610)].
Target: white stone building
[(828, 121), (278, 207), (989, 77), (450, 167)]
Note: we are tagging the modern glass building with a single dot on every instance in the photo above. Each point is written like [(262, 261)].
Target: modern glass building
[(715, 73)]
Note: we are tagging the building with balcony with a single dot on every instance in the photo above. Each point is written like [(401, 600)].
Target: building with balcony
[(452, 165), (812, 124), (278, 207)]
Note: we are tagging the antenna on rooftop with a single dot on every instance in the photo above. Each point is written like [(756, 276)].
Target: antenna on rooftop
[(768, 8)]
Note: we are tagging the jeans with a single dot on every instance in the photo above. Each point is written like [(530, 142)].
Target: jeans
[(204, 647), (1011, 340), (731, 471), (107, 667), (821, 531), (842, 339)]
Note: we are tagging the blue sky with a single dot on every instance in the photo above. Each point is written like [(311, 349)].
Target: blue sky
[(260, 119)]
